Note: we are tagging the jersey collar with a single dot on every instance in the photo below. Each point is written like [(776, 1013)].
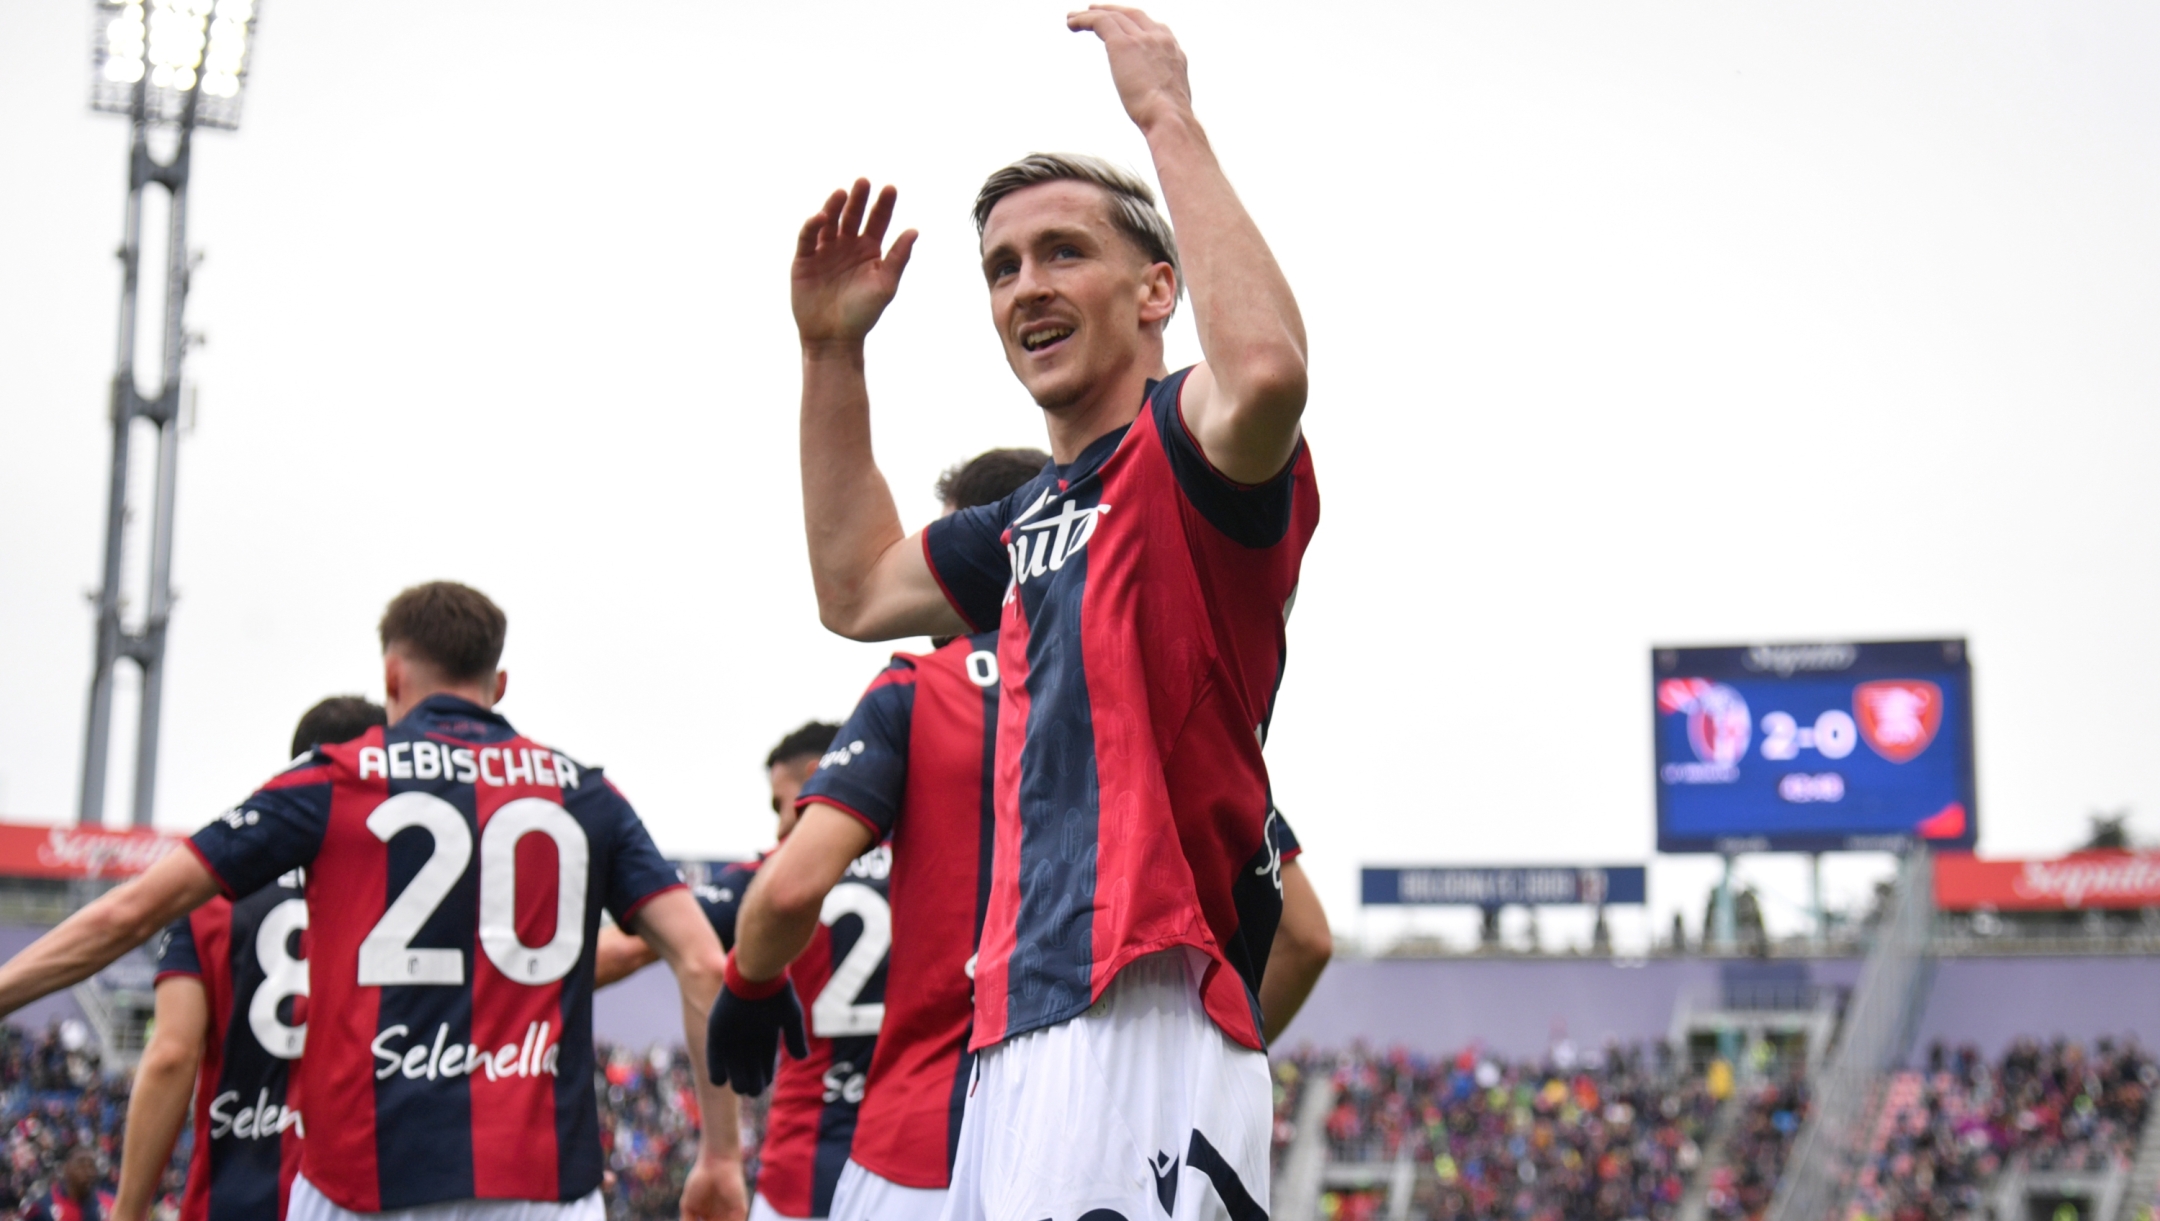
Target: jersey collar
[(459, 718)]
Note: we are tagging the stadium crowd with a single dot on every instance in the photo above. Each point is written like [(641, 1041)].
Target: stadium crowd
[(1602, 1138), (1946, 1134), (55, 1095), (1611, 1137), (649, 1130), (1739, 1186)]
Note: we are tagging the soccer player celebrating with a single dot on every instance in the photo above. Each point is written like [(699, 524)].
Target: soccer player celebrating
[(213, 965), (456, 871), (1140, 588), (913, 762), (841, 976)]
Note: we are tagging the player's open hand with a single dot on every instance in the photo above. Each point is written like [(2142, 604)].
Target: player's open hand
[(1146, 62), (715, 1192), (742, 1037), (843, 276)]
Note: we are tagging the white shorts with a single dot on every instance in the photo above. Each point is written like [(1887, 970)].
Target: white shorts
[(761, 1209), (865, 1195), (308, 1203), (1141, 1106)]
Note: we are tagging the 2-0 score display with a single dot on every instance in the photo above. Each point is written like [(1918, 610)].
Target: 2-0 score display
[(1814, 747)]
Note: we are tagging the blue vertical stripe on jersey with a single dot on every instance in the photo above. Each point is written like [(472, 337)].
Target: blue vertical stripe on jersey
[(1060, 797)]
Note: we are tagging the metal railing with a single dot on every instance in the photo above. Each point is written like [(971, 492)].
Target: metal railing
[(1878, 1025)]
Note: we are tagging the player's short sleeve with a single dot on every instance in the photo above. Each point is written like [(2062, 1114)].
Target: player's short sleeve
[(1286, 842), (966, 553), (636, 871), (176, 953), (278, 829), (865, 772), (722, 900), (1255, 515)]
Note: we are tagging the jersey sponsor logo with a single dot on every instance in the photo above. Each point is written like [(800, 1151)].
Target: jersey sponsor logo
[(263, 1121), (1898, 717), (498, 766), (841, 756), (1272, 867), (531, 1056), (1039, 547), (845, 1083)]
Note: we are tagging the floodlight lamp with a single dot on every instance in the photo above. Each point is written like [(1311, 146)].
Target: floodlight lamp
[(166, 50)]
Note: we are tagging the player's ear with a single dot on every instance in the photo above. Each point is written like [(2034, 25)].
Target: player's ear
[(502, 684), (1158, 293), (393, 677)]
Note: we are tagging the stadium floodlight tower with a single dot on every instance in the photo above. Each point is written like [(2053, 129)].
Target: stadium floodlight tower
[(171, 66)]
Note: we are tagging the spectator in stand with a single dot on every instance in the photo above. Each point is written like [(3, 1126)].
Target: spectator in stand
[(76, 1194)]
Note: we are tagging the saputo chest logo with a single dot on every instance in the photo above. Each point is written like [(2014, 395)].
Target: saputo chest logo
[(1041, 540)]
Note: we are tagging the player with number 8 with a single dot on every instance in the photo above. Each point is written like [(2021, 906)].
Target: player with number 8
[(454, 918)]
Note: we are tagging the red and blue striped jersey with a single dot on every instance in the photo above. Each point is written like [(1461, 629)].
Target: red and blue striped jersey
[(840, 977), (248, 1127), (914, 762), (456, 872), (1141, 599)]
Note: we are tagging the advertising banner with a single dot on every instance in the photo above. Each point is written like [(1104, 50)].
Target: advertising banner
[(1491, 886), (2081, 880), (79, 852), (1814, 747)]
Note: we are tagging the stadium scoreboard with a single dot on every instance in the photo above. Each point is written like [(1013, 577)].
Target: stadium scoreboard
[(1814, 747)]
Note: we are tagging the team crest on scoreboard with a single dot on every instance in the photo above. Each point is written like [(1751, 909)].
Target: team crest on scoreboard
[(1718, 726), (1898, 716)]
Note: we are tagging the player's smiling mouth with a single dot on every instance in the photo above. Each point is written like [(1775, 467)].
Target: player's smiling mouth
[(1043, 337)]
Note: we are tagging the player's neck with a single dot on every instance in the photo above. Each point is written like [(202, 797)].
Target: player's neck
[(402, 705), (1110, 405)]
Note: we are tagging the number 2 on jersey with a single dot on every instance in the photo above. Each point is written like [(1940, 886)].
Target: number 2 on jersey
[(838, 1011), (388, 956)]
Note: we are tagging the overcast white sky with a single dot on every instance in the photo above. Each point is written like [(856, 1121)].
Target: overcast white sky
[(1676, 323)]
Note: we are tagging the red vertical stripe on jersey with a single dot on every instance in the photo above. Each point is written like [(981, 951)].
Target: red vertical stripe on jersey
[(906, 1124), (787, 1162), (1001, 923), (1133, 736), (522, 1020), (211, 926), (339, 1155)]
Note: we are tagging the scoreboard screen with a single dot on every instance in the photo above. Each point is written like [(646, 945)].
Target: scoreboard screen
[(1814, 747)]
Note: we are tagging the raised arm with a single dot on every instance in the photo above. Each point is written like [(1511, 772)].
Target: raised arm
[(872, 580), (157, 1109), (672, 925), (1243, 404), (111, 925)]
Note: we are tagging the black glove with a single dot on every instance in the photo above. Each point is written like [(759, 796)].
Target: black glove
[(742, 1037)]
